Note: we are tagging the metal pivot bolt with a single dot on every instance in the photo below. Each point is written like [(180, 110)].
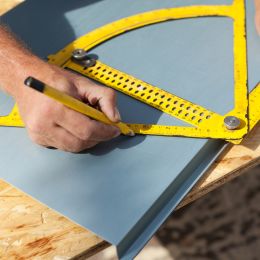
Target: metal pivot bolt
[(81, 57), (232, 122)]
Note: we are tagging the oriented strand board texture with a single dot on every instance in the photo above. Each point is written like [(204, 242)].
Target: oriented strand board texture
[(237, 159), (29, 229)]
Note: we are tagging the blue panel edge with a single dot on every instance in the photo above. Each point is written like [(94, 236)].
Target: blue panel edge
[(138, 237)]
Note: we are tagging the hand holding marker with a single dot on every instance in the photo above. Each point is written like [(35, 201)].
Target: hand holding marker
[(75, 104)]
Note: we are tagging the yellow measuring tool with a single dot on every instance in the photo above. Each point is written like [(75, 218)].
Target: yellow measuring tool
[(206, 124)]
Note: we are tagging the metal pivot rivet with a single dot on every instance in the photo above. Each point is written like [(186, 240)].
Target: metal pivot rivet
[(232, 122), (81, 57), (79, 54)]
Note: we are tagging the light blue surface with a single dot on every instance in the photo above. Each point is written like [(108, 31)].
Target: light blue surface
[(123, 189)]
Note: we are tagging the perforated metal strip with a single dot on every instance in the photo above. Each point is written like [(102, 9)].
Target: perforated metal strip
[(165, 101), (146, 93)]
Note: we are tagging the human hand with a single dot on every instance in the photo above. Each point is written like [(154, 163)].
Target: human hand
[(49, 123)]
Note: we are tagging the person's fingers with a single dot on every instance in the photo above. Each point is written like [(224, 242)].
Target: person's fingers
[(63, 140), (85, 128), (104, 97), (40, 139)]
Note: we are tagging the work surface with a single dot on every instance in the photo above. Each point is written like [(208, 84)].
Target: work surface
[(44, 232), (30, 229)]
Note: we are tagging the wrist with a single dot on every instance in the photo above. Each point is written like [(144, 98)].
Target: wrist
[(28, 66), (17, 63)]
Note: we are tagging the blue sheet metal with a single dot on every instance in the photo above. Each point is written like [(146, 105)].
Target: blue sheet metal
[(124, 189)]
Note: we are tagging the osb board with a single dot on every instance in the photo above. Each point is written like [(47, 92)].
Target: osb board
[(237, 159), (31, 230)]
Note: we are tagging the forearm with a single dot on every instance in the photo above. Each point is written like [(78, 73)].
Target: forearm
[(17, 63)]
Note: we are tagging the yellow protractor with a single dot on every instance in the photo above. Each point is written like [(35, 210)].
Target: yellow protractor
[(207, 124)]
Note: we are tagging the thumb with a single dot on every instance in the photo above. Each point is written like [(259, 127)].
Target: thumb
[(107, 103)]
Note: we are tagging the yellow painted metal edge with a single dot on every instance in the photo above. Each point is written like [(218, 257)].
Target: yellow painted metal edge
[(212, 128)]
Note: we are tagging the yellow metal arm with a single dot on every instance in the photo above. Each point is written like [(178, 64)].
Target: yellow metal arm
[(204, 123)]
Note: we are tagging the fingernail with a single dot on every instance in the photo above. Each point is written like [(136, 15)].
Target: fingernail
[(117, 132), (117, 115), (131, 133)]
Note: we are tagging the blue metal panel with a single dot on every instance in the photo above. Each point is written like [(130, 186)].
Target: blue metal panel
[(124, 189)]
